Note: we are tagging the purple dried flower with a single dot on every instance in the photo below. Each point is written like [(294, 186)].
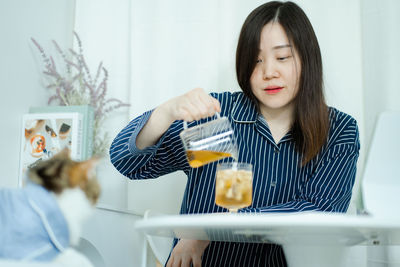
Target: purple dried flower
[(79, 43), (58, 94), (52, 85), (58, 48), (77, 85), (102, 95), (75, 78), (73, 52), (51, 98), (99, 68), (53, 65), (63, 55), (72, 64), (115, 107), (41, 50), (92, 94), (86, 68)]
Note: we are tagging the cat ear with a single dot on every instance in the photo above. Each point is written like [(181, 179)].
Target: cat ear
[(92, 162), (83, 171), (64, 153), (90, 165)]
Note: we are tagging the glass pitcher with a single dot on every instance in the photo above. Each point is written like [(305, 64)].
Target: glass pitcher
[(209, 141)]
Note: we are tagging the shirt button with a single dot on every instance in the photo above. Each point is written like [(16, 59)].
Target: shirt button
[(276, 151)]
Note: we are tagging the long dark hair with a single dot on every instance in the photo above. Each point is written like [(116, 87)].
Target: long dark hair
[(311, 121)]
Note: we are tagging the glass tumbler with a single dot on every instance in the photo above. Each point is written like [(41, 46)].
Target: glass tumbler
[(234, 185)]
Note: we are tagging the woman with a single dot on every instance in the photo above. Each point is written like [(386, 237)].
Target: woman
[(304, 153)]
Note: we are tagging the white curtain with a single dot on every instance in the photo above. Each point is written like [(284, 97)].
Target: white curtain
[(104, 29), (158, 49), (178, 45)]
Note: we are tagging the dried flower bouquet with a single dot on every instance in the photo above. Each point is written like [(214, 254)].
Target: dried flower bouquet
[(74, 85)]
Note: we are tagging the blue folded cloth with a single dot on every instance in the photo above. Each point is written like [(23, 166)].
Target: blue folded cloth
[(32, 226)]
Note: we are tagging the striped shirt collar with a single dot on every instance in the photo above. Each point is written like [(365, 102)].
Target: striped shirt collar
[(244, 110)]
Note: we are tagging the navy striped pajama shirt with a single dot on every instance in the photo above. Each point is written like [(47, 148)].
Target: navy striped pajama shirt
[(280, 183)]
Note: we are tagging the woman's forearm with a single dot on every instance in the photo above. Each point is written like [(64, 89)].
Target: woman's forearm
[(156, 126), (193, 105)]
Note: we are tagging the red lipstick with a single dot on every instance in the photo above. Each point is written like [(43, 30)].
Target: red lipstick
[(273, 89)]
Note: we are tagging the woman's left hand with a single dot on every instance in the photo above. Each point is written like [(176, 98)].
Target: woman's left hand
[(186, 252)]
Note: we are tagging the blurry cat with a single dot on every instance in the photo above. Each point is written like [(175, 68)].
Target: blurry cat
[(40, 221)]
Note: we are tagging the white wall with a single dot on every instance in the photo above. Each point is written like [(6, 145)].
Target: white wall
[(20, 67), (381, 59), (381, 68)]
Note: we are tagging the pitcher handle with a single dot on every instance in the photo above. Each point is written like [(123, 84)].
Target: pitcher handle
[(185, 123)]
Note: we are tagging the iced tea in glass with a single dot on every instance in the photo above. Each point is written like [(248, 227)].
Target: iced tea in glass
[(233, 185)]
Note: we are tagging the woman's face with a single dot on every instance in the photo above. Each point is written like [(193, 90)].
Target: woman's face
[(274, 80)]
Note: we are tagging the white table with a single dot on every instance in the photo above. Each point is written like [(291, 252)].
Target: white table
[(311, 233)]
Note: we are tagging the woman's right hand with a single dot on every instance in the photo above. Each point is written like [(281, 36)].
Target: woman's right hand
[(187, 252), (193, 105)]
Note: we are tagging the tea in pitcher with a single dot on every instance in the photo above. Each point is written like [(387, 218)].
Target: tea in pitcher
[(197, 158), (208, 142)]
